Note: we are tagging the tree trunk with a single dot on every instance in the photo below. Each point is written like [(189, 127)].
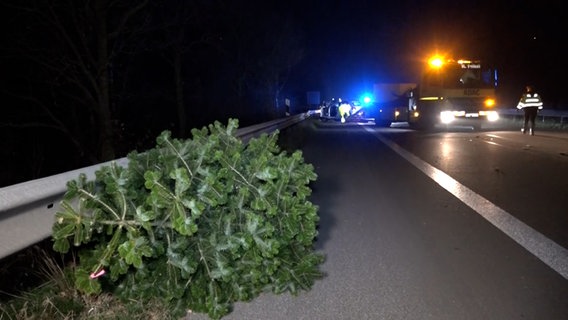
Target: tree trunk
[(105, 133)]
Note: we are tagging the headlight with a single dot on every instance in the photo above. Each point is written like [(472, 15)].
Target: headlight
[(447, 117), (492, 116)]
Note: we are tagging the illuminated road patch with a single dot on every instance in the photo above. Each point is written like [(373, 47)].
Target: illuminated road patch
[(552, 254)]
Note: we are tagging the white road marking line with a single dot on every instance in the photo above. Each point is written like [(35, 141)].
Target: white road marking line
[(548, 251)]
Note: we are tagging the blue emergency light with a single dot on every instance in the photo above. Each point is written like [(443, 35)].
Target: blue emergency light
[(366, 99)]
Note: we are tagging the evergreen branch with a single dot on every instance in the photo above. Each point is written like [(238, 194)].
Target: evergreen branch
[(179, 156), (122, 198), (205, 263), (246, 182), (166, 190), (290, 169), (124, 206), (136, 223), (97, 200), (111, 247), (170, 268)]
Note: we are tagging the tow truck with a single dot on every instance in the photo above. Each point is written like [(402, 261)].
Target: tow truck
[(456, 92)]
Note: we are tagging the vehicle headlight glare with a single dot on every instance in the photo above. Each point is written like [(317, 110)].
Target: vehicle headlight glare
[(492, 116), (446, 117)]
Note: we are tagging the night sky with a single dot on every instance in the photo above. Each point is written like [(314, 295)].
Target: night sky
[(349, 45), (352, 44)]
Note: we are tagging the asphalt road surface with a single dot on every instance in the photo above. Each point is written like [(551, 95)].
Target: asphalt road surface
[(432, 225)]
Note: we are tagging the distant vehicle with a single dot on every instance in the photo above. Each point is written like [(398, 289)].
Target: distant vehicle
[(330, 111), (449, 92), (391, 102)]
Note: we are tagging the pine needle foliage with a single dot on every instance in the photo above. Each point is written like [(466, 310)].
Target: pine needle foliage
[(199, 223)]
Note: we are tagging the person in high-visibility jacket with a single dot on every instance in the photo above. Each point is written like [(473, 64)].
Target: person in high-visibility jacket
[(344, 110), (530, 103)]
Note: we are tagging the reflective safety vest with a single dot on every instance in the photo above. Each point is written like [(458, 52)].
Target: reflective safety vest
[(344, 109), (530, 100)]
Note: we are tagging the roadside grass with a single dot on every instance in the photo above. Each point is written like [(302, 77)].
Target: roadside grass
[(547, 123), (56, 298)]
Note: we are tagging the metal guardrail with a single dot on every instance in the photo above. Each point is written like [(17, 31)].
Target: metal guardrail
[(561, 115), (27, 209)]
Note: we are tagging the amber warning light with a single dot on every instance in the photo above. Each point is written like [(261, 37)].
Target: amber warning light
[(436, 62)]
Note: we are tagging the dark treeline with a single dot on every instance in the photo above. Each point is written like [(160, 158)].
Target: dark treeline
[(84, 81), (89, 81)]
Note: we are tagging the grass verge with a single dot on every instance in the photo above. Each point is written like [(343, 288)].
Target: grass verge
[(55, 297)]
